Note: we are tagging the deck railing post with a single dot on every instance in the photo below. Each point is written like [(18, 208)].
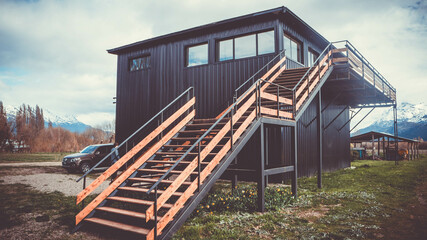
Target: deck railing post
[(256, 101), (84, 187), (231, 128), (278, 92), (155, 213), (198, 167)]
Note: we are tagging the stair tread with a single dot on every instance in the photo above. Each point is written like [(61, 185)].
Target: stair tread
[(171, 162), (122, 212), (163, 171), (144, 190), (137, 201), (151, 180), (118, 225)]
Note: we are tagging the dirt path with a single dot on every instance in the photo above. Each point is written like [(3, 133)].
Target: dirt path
[(412, 222)]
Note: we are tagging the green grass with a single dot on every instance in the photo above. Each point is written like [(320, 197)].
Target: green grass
[(31, 157), (353, 204), (17, 199)]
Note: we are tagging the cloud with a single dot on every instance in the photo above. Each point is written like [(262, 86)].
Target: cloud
[(52, 53)]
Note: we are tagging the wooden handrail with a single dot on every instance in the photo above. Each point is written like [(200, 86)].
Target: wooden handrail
[(141, 160), (320, 70), (117, 165), (273, 97)]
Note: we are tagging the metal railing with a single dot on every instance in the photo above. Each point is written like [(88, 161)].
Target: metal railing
[(366, 70), (124, 146)]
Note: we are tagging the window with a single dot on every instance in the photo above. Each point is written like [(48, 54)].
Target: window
[(312, 56), (197, 55), (226, 50), (139, 63), (265, 41), (246, 46), (293, 48)]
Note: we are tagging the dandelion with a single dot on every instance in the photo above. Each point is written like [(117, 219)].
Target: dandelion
[(243, 191), (207, 206), (213, 204), (197, 210)]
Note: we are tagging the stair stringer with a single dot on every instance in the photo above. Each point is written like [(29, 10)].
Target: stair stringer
[(313, 93), (194, 201)]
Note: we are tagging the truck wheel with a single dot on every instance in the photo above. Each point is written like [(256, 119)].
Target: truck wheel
[(84, 167)]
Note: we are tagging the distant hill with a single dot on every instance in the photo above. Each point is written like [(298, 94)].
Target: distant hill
[(412, 121), (68, 122)]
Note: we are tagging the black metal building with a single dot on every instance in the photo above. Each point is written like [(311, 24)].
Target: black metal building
[(165, 74)]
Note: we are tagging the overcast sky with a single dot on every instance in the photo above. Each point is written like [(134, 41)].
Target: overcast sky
[(53, 53)]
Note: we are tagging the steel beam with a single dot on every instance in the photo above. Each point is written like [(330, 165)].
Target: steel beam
[(278, 170), (362, 119), (320, 139), (335, 118), (261, 176), (352, 116)]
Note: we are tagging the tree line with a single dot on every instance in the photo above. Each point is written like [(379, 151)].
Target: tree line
[(27, 132)]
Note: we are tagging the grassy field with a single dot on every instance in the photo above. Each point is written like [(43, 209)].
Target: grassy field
[(373, 201), (31, 157), (361, 203)]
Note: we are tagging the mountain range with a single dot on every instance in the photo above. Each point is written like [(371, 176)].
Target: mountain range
[(68, 122), (412, 121)]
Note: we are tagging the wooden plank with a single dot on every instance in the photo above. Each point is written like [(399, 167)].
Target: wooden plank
[(152, 180), (144, 190), (311, 75), (141, 160), (272, 79), (273, 68), (121, 226), (313, 84), (326, 57), (339, 50), (300, 89), (299, 103), (117, 165), (122, 212), (135, 201), (244, 126), (273, 112), (341, 59), (273, 97)]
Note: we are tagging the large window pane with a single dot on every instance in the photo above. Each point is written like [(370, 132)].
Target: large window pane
[(245, 46), (226, 50), (293, 48), (197, 55), (266, 42)]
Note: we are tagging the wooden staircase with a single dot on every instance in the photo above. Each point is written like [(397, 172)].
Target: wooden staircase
[(170, 166)]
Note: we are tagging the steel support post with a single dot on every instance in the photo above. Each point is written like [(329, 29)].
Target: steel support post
[(320, 139), (396, 140), (373, 147), (295, 173), (261, 177)]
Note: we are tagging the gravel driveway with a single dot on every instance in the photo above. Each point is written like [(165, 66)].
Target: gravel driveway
[(32, 164), (50, 182)]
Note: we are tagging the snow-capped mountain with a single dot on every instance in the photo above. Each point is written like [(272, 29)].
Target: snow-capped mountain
[(68, 122), (412, 121)]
